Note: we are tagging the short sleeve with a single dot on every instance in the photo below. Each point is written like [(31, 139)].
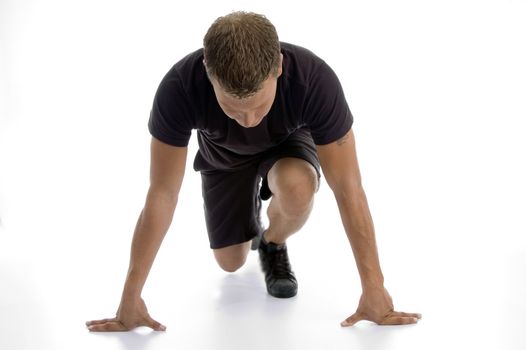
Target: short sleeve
[(171, 118), (326, 111)]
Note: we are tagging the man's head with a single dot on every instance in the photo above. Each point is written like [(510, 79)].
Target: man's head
[(243, 61)]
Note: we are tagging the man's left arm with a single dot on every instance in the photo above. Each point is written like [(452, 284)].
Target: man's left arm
[(340, 168)]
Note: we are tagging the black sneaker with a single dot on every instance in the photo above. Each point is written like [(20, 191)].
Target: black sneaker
[(280, 280)]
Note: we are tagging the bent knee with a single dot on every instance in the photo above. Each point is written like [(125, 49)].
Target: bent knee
[(229, 265), (295, 182), (233, 257), (299, 192)]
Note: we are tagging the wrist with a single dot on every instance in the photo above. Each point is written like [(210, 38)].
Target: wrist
[(131, 294), (132, 287), (373, 283)]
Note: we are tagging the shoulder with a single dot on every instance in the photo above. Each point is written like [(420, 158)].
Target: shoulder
[(188, 72), (300, 64), (186, 85), (300, 54)]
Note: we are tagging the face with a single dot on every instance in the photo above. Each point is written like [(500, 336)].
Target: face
[(250, 111)]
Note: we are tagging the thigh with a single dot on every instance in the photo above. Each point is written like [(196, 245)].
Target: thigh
[(231, 206), (299, 146)]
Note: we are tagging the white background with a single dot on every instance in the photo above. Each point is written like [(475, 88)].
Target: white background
[(438, 92)]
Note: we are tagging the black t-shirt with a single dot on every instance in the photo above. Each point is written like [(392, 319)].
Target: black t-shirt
[(309, 95)]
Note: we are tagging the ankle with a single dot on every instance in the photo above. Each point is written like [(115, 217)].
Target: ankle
[(269, 237)]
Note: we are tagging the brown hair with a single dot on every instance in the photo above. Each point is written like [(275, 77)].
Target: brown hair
[(241, 50)]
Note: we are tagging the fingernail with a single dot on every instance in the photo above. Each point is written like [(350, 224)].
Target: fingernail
[(344, 324)]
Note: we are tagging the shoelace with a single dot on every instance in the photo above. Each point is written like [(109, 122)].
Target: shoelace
[(279, 261)]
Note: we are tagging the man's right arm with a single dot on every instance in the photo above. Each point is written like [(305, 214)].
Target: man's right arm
[(166, 176)]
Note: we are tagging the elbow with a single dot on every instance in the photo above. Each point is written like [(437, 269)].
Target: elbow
[(164, 195)]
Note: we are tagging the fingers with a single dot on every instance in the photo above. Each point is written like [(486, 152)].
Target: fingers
[(113, 325), (406, 314), (89, 323), (393, 318), (109, 326), (398, 320), (156, 326), (351, 320)]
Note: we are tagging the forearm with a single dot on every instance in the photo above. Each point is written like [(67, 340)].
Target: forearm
[(358, 224), (152, 225)]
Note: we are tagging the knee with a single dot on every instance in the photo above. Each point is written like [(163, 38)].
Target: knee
[(300, 188), (230, 265), (232, 258), (296, 187), (296, 202)]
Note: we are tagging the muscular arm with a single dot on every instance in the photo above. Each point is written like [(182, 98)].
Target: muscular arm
[(340, 168), (166, 175)]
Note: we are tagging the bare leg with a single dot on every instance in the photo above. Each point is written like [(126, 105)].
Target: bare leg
[(293, 182), (233, 257)]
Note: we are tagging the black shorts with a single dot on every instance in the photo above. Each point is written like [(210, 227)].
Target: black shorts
[(232, 199)]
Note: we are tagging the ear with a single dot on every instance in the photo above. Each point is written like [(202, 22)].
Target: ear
[(206, 69), (280, 65)]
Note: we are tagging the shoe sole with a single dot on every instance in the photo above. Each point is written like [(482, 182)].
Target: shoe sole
[(283, 295)]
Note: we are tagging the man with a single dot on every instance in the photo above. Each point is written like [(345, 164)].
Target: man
[(267, 112)]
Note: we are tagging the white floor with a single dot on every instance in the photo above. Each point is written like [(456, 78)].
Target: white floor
[(438, 97), (57, 275), (66, 265)]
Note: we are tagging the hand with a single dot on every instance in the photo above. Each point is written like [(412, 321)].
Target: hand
[(376, 305), (131, 314)]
